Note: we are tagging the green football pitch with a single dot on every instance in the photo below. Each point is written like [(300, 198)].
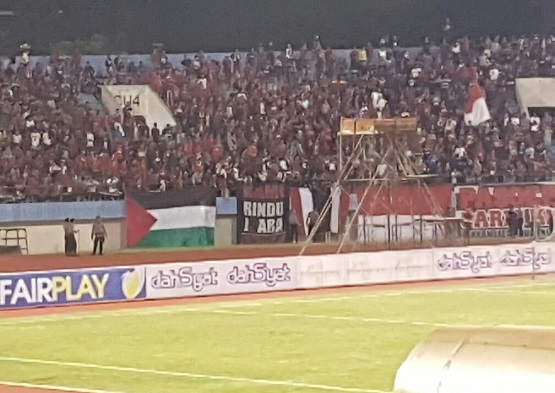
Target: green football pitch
[(340, 342)]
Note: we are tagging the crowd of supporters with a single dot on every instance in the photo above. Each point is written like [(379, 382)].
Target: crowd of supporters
[(269, 115)]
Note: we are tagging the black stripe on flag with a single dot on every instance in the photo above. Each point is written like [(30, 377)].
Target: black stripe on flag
[(189, 196)]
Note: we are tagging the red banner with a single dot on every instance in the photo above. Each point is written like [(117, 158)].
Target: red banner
[(490, 205), (401, 200), (405, 199)]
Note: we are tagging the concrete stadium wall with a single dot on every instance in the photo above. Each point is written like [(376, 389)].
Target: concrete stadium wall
[(225, 232), (141, 99), (48, 238)]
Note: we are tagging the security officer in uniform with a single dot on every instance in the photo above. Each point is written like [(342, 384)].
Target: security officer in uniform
[(99, 235)]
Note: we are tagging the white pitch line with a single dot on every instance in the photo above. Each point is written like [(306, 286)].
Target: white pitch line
[(545, 293), (309, 316), (292, 315), (345, 318), (336, 318), (133, 370), (19, 327), (151, 310), (319, 299), (52, 387)]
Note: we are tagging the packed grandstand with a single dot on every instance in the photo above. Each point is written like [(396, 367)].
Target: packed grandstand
[(267, 116)]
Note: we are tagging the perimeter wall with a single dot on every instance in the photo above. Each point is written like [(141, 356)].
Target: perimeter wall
[(181, 280), (43, 223)]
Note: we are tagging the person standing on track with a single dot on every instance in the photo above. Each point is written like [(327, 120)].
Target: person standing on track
[(69, 237), (293, 226), (312, 221), (99, 235), (467, 220)]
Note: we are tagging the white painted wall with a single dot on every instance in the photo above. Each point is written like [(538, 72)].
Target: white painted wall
[(143, 100), (49, 238), (225, 232)]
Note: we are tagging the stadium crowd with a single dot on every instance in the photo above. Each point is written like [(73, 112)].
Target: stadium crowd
[(268, 115)]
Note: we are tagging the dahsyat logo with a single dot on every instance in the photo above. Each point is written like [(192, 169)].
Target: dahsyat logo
[(71, 287), (132, 283)]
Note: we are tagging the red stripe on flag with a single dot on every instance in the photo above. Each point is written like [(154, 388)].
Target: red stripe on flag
[(474, 95), (297, 207), (344, 201), (138, 222)]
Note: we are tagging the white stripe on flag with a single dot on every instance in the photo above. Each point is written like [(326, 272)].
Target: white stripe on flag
[(476, 109), (335, 209), (307, 205), (184, 217), (479, 114)]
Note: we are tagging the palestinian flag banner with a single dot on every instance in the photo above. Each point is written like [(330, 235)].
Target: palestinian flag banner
[(263, 213), (171, 219)]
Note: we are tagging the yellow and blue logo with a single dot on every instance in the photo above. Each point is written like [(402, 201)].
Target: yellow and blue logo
[(132, 283), (71, 287)]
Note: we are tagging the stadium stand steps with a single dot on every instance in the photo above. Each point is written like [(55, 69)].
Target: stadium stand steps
[(91, 102)]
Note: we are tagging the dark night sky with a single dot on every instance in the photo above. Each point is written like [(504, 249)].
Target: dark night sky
[(214, 25)]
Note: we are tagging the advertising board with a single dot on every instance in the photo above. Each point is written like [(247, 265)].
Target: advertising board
[(179, 280), (424, 265), (363, 269), (494, 261), (38, 289), (220, 278)]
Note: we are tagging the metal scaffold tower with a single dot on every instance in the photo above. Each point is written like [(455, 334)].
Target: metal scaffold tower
[(375, 155)]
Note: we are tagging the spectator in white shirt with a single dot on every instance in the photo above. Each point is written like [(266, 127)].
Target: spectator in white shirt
[(494, 74), (35, 139), (17, 138), (90, 140), (535, 123), (46, 139), (289, 52)]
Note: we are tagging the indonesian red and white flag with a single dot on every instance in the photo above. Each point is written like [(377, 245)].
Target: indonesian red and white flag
[(476, 111), (302, 204)]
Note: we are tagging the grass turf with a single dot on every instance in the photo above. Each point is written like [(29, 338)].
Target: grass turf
[(351, 343)]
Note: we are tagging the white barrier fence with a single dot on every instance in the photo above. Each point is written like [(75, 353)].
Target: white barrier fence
[(310, 272), (178, 280), (220, 278), (424, 265)]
